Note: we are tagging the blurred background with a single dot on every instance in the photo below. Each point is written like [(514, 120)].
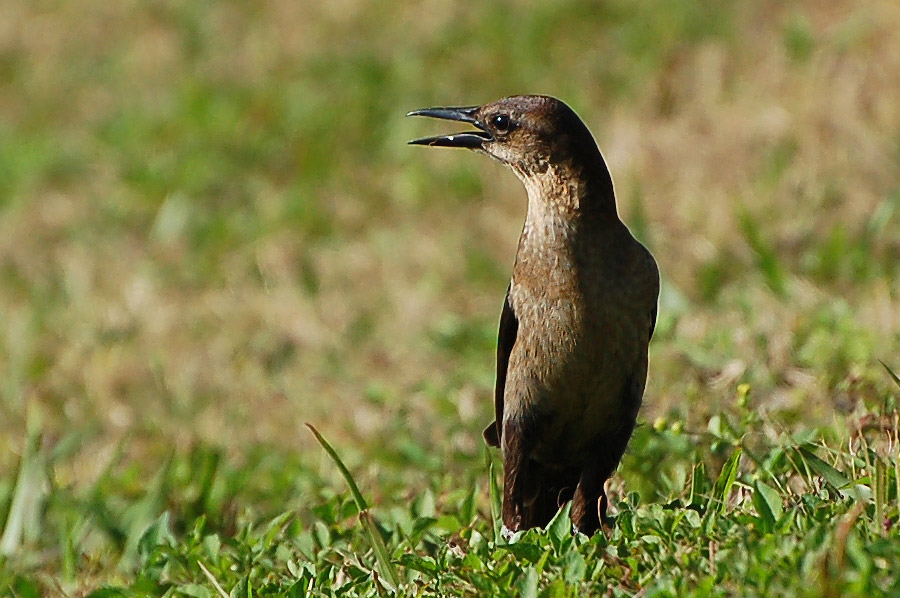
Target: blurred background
[(212, 231)]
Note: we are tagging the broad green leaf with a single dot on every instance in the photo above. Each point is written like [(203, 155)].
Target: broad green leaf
[(422, 564), (195, 590), (575, 567), (211, 546), (527, 583), (423, 505), (560, 527), (276, 527), (242, 588), (768, 505), (24, 587), (157, 533), (143, 515), (524, 550), (692, 518)]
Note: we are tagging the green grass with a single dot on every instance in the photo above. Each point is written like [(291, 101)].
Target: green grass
[(740, 507), (212, 232)]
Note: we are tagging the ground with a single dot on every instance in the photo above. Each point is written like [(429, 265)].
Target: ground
[(212, 232)]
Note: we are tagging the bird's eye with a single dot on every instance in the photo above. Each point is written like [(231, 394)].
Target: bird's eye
[(501, 123)]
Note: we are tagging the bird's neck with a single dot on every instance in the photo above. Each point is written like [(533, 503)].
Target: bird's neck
[(564, 199)]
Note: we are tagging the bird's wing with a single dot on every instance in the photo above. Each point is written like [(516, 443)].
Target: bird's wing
[(653, 291), (506, 338)]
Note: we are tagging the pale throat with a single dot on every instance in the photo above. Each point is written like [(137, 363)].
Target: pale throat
[(553, 204)]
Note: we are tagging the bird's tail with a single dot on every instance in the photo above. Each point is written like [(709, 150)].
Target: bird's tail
[(547, 490)]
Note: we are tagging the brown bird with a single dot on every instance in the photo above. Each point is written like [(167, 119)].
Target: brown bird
[(579, 313)]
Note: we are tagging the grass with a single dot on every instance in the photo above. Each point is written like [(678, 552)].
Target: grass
[(212, 232)]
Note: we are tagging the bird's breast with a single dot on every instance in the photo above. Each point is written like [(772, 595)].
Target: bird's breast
[(570, 361), (569, 347)]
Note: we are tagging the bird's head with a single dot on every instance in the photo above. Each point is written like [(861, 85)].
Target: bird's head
[(528, 133)]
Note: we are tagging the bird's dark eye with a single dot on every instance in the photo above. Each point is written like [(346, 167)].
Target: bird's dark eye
[(501, 123)]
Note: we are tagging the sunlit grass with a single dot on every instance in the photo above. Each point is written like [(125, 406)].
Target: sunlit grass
[(212, 231)]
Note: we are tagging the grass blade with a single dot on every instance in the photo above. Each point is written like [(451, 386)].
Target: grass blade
[(24, 519), (495, 504), (832, 476), (354, 489), (381, 552), (891, 373), (139, 517), (213, 580), (767, 259), (723, 486)]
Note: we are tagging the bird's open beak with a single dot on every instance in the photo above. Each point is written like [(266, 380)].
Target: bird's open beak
[(467, 139)]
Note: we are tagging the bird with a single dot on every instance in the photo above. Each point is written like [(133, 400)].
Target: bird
[(579, 313)]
